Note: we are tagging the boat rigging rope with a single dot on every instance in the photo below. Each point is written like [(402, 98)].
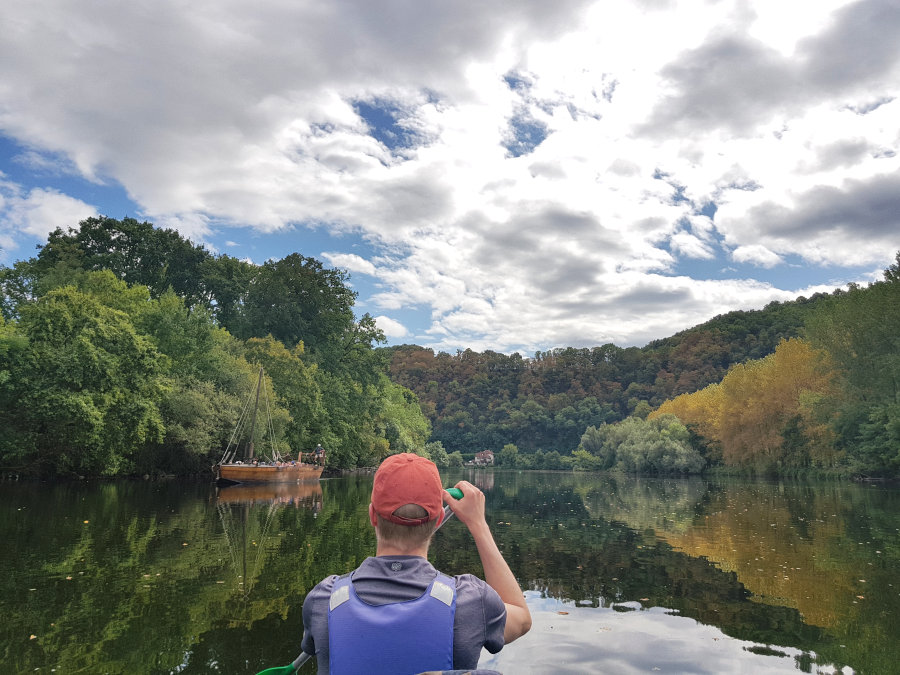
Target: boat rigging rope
[(270, 428), (232, 447)]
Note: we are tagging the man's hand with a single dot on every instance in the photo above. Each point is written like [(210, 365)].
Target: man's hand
[(470, 508)]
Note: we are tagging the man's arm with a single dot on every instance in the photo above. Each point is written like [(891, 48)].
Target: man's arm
[(470, 510)]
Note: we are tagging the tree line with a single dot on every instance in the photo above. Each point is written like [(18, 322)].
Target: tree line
[(542, 405), (126, 349)]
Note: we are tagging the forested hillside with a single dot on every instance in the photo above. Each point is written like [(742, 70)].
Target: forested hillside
[(126, 349), (486, 400)]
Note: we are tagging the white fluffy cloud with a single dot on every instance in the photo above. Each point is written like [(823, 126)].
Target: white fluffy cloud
[(390, 327), (37, 212), (529, 174)]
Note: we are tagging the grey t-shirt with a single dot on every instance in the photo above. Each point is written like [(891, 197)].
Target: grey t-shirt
[(480, 613)]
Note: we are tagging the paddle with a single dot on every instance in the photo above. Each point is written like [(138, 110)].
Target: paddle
[(456, 493), (287, 670)]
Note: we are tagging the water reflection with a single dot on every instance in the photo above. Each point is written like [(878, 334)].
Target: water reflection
[(248, 538), (623, 575), (299, 495), (566, 638), (779, 566)]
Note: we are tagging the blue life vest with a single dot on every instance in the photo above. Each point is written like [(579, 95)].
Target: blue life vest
[(399, 638)]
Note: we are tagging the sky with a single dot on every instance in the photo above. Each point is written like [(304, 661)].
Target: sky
[(514, 175)]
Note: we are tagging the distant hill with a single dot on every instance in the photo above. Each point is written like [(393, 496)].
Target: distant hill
[(544, 402)]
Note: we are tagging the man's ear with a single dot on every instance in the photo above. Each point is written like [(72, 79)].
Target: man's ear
[(372, 517)]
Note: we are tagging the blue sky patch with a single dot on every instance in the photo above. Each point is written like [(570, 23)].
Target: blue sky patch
[(386, 120), (525, 134), (517, 82)]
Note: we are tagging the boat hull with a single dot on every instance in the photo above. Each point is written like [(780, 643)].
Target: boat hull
[(249, 473)]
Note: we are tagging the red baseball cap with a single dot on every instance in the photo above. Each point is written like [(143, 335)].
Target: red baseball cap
[(407, 479)]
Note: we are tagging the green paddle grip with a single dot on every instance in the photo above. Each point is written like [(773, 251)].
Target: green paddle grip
[(456, 493)]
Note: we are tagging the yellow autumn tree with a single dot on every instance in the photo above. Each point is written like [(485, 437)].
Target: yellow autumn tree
[(701, 412), (765, 413), (771, 400)]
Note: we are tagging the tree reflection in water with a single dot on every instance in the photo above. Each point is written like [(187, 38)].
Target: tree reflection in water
[(622, 574)]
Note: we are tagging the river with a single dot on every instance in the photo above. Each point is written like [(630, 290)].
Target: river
[(622, 574)]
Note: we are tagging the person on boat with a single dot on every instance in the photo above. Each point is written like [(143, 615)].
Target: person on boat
[(319, 454), (396, 613)]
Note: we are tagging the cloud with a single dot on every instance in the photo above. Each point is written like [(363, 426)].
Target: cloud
[(526, 174), (736, 82), (390, 327), (838, 59), (350, 262), (691, 246), (848, 224), (38, 212), (756, 255)]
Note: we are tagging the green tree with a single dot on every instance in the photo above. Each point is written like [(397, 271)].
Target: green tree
[(297, 388), (136, 252), (18, 286), (226, 281), (582, 460), (297, 299), (404, 426), (86, 388), (198, 419), (860, 330), (508, 457), (600, 443), (635, 445), (436, 453)]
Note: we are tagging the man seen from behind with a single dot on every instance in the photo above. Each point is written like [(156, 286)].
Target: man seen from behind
[(396, 614)]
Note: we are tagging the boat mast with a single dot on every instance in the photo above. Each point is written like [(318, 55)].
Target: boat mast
[(253, 423)]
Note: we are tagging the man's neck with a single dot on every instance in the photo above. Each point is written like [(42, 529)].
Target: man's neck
[(385, 549)]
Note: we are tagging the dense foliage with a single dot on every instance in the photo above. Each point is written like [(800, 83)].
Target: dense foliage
[(489, 400), (764, 413), (828, 401), (125, 349)]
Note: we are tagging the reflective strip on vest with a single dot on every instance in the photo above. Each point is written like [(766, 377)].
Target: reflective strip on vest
[(400, 638)]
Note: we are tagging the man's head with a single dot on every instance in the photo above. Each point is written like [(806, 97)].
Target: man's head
[(407, 500)]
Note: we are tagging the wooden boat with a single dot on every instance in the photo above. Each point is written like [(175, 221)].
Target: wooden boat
[(271, 467), (266, 473)]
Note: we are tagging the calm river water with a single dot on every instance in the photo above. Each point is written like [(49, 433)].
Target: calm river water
[(623, 575)]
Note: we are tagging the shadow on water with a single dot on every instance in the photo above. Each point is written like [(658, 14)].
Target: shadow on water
[(622, 574)]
